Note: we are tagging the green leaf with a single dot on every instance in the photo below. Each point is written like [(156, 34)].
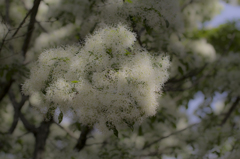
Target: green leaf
[(140, 133), (115, 66), (20, 142), (157, 65), (180, 70), (127, 53), (109, 52), (1, 72), (115, 131), (60, 117), (217, 153), (130, 125), (153, 119), (74, 81), (129, 1), (112, 127), (129, 80), (167, 23), (147, 27), (50, 112), (64, 59), (9, 75), (78, 126), (159, 14), (173, 125), (100, 88)]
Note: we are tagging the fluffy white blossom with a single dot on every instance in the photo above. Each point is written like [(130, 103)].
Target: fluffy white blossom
[(51, 39), (200, 11), (109, 79), (203, 49), (153, 12)]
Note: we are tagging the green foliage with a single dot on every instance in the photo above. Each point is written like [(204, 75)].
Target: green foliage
[(60, 117), (112, 127), (162, 28), (224, 38)]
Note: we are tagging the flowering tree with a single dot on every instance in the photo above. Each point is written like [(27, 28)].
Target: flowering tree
[(114, 79)]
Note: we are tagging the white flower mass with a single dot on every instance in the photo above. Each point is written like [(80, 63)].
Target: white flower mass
[(110, 79)]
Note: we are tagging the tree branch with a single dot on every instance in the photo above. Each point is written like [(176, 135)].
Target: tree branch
[(3, 40), (40, 25), (136, 31), (4, 89), (7, 3), (34, 11), (67, 131), (233, 107), (188, 75), (28, 126), (17, 107), (164, 137), (20, 25), (81, 143), (41, 138), (17, 114)]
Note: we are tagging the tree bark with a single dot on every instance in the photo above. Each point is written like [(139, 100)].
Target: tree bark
[(4, 89), (82, 138), (30, 29), (41, 138)]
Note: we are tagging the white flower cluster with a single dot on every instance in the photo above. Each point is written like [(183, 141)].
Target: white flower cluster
[(203, 49), (190, 54), (154, 12), (53, 38), (108, 80), (200, 11)]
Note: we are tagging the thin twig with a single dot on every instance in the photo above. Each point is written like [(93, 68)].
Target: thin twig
[(40, 25), (164, 137), (4, 89), (7, 3), (23, 21), (17, 113), (233, 107), (34, 11), (67, 131), (188, 75), (3, 40)]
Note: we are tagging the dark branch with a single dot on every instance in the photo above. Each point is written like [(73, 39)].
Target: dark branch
[(7, 3), (28, 126), (233, 107), (20, 25), (4, 89), (3, 40), (164, 137), (40, 25), (81, 143), (13, 99), (17, 114), (41, 138), (188, 75), (34, 11), (14, 123)]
